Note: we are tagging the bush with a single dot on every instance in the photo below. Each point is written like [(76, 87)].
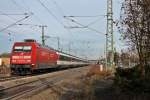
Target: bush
[(129, 79), (5, 55)]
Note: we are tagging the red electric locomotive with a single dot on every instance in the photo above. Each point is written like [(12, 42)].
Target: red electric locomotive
[(30, 56)]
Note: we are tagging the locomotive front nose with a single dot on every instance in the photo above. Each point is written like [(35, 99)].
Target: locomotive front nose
[(21, 59)]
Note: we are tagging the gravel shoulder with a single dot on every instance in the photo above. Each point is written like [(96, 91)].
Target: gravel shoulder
[(76, 87)]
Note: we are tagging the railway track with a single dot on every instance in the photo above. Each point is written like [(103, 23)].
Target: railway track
[(2, 79), (28, 89), (22, 90)]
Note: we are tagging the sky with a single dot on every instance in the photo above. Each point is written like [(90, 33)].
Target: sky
[(79, 41)]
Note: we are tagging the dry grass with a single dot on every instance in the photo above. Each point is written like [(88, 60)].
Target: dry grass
[(5, 72), (6, 61), (95, 71), (4, 68), (77, 89)]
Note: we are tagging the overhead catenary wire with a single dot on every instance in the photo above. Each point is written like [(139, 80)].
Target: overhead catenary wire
[(27, 7), (9, 15), (88, 16), (50, 12), (32, 25), (12, 13), (59, 8), (10, 34), (24, 8), (83, 26), (2, 13), (14, 23), (62, 14), (93, 22), (87, 27), (15, 3), (8, 31), (21, 8), (74, 21)]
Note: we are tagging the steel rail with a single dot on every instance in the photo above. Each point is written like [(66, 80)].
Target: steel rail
[(43, 84)]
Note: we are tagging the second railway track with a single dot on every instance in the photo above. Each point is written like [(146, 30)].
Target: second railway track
[(40, 83)]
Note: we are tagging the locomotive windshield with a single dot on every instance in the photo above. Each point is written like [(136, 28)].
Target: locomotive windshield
[(22, 49)]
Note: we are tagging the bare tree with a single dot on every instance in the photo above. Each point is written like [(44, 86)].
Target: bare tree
[(135, 29)]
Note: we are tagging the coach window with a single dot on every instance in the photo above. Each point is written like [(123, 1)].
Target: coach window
[(64, 58)]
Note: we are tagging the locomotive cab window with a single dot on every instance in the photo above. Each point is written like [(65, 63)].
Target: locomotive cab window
[(27, 48), (22, 49), (18, 48)]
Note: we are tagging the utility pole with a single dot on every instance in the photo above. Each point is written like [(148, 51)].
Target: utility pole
[(58, 39), (109, 35), (43, 39), (41, 26)]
